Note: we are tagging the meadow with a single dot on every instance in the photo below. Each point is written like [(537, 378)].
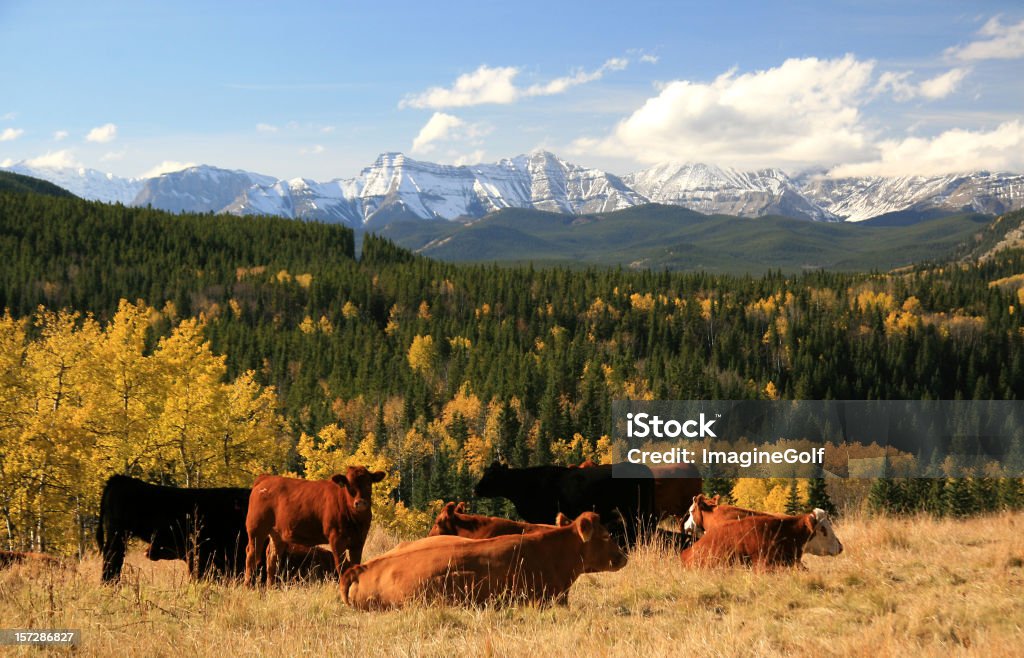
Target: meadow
[(902, 585)]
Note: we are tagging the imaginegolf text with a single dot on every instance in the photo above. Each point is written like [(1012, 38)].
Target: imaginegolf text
[(742, 458)]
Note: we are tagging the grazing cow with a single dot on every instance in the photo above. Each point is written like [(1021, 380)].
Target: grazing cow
[(541, 492), (760, 541), (708, 513), (204, 527), (8, 558), (539, 567), (453, 520), (309, 563), (334, 511)]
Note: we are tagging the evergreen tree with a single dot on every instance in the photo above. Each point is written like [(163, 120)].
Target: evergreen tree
[(793, 503), (818, 498)]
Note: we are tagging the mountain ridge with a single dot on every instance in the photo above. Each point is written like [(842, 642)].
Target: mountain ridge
[(396, 187)]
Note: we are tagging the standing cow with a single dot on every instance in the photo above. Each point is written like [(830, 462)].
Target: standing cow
[(334, 511), (204, 527), (539, 493)]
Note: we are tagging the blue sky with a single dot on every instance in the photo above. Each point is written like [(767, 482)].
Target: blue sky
[(319, 89)]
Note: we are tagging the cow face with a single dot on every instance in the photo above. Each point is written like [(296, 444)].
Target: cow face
[(492, 484), (694, 524), (358, 483), (445, 522), (824, 540), (600, 550)]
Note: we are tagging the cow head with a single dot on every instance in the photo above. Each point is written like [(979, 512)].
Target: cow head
[(823, 541), (600, 550), (694, 524), (445, 522), (562, 519), (358, 483), (492, 484)]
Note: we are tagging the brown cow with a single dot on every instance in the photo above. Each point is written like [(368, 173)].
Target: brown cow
[(8, 558), (300, 562), (335, 512), (453, 520), (761, 541), (539, 567), (707, 513)]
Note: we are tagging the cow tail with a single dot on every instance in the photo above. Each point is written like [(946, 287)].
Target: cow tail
[(104, 511)]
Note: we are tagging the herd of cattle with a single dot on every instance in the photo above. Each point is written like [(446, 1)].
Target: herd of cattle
[(578, 519)]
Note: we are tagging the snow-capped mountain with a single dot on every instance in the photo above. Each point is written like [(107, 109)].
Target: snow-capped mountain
[(721, 190), (197, 189), (857, 199), (86, 183), (398, 187)]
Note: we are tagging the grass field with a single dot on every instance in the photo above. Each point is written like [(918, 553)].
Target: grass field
[(901, 587)]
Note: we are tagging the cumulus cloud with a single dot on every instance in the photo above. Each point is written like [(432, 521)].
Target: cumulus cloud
[(998, 42), (443, 127), (10, 134), (902, 89), (957, 150), (649, 59), (54, 160), (496, 85), (803, 112), (102, 134), (472, 158), (166, 167), (60, 135), (265, 128)]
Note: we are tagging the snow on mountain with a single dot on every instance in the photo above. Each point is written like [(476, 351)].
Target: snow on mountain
[(398, 187), (857, 199), (85, 183), (721, 190), (197, 189)]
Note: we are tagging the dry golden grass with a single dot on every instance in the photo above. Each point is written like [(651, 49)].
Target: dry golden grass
[(902, 587)]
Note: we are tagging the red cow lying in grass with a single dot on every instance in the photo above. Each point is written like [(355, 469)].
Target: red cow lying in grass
[(335, 512), (707, 514), (453, 520), (539, 567), (763, 542)]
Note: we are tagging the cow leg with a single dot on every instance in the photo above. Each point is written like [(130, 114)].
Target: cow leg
[(256, 548), (113, 556), (338, 547), (274, 561)]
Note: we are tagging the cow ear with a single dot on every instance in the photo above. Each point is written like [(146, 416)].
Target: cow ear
[(812, 521), (562, 520), (716, 499), (585, 526), (377, 476), (339, 480), (460, 508)]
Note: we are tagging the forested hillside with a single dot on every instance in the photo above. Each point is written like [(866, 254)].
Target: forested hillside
[(429, 369)]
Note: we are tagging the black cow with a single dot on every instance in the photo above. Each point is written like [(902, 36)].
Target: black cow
[(204, 527), (622, 494)]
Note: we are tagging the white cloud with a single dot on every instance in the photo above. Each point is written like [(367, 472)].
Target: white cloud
[(439, 127), (60, 135), (953, 151), (166, 167), (265, 128), (943, 85), (9, 116), (935, 88), (54, 160), (315, 149), (10, 134), (113, 155), (803, 112), (649, 59), (999, 42), (484, 85), (475, 157), (496, 85), (102, 134)]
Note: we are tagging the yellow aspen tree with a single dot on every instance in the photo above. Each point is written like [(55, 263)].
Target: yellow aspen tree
[(253, 435)]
